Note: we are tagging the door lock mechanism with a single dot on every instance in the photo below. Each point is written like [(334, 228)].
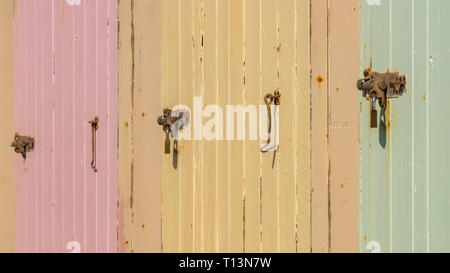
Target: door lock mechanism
[(381, 87), (23, 145), (171, 123)]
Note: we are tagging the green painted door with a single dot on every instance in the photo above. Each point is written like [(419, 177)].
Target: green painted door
[(405, 165)]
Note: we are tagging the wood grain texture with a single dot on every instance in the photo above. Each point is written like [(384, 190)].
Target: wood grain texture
[(187, 81), (140, 145), (7, 206)]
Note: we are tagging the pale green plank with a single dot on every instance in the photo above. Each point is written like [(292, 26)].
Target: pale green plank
[(401, 129), (418, 89), (415, 157), (375, 142), (439, 126)]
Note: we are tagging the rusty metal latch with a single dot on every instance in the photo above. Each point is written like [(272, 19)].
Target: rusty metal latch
[(381, 87), (94, 124), (172, 121), (270, 99), (23, 145)]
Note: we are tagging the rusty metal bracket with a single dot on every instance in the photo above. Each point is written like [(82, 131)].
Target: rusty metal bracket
[(167, 121), (270, 99), (382, 86), (94, 124), (274, 98), (23, 145)]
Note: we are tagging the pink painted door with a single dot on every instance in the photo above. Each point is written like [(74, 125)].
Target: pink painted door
[(65, 76)]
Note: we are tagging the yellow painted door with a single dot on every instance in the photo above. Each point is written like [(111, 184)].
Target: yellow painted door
[(225, 195)]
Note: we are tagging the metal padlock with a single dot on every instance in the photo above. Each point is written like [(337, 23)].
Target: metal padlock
[(381, 87), (167, 142), (373, 114)]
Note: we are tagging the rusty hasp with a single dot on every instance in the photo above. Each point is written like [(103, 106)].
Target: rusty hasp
[(381, 87), (23, 145), (167, 121), (270, 99)]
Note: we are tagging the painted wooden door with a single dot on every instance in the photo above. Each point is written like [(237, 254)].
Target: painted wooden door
[(224, 195), (404, 167), (65, 74)]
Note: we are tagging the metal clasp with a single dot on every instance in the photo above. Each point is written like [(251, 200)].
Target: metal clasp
[(270, 99), (172, 122), (23, 145), (381, 87)]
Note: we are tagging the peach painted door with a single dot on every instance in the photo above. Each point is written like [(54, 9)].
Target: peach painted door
[(65, 76)]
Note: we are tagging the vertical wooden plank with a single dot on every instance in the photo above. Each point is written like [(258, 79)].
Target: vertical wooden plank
[(46, 124), (107, 134), (222, 12), (19, 100), (236, 148), (91, 47), (344, 129), (210, 175), (365, 49), (402, 131), (198, 145), (102, 133), (112, 113), (252, 84), (375, 143), (125, 118), (419, 90), (92, 87), (319, 124), (164, 101), (380, 139), (40, 149), (303, 123), (68, 110), (8, 13), (287, 160), (439, 130), (146, 132), (270, 161), (139, 103), (187, 48), (171, 98), (81, 163), (57, 194), (31, 127)]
